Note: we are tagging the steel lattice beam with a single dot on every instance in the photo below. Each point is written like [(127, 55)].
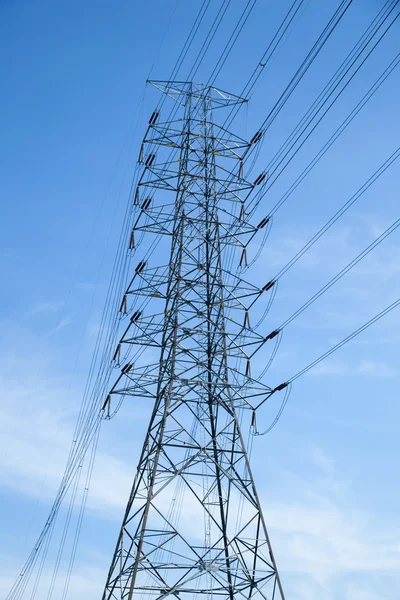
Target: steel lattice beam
[(192, 192)]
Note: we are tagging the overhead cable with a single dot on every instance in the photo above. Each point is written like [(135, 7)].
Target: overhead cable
[(307, 119), (367, 96), (384, 166), (347, 339), (334, 279)]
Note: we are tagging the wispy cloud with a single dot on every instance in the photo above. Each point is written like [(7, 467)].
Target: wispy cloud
[(335, 249), (87, 581), (360, 592), (64, 322), (45, 307), (377, 369), (320, 538), (324, 462), (363, 368), (324, 541)]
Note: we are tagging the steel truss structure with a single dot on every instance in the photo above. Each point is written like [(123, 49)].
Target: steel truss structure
[(193, 525)]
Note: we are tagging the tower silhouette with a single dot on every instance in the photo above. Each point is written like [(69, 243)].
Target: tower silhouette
[(193, 525)]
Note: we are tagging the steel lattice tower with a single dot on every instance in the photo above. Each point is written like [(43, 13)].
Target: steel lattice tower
[(193, 525)]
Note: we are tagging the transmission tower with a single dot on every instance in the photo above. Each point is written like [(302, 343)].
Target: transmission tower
[(193, 524)]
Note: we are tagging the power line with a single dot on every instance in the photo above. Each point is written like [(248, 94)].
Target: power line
[(343, 209), (209, 38), (347, 339), (311, 56), (342, 127), (288, 383), (301, 71), (256, 432), (334, 280), (365, 38), (385, 165), (188, 42), (227, 50), (343, 272), (163, 38), (91, 412), (304, 66), (266, 57), (193, 369), (308, 122)]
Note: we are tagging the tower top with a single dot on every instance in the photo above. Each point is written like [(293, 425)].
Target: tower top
[(179, 90)]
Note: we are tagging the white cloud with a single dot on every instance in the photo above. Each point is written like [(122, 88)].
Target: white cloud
[(45, 307), (318, 540), (87, 582), (363, 368), (359, 592), (377, 369), (324, 462), (328, 368), (324, 540), (64, 322)]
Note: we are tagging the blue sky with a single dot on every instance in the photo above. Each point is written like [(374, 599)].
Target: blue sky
[(74, 108)]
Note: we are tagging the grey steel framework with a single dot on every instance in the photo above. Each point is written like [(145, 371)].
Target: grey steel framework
[(193, 525)]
